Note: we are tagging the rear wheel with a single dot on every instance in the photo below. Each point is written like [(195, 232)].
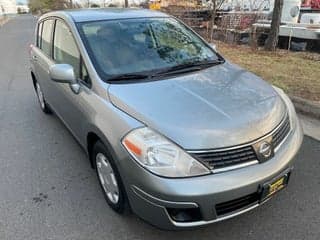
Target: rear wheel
[(109, 178), (43, 104)]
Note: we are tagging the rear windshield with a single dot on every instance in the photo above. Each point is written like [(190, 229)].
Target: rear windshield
[(140, 45)]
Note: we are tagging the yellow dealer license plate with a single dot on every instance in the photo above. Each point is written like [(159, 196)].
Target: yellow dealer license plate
[(274, 186)]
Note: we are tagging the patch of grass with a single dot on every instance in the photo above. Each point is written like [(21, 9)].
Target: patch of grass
[(297, 73)]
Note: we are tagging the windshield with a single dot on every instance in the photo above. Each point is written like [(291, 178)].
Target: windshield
[(132, 46)]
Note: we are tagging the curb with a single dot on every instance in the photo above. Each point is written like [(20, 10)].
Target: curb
[(306, 107)]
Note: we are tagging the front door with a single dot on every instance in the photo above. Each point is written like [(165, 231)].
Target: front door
[(70, 106)]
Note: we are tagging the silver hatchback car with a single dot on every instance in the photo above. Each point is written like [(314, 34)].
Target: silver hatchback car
[(176, 133)]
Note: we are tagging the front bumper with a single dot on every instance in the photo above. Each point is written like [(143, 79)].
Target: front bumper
[(151, 196)]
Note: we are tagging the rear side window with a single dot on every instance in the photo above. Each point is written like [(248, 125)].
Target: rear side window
[(45, 43), (65, 49), (39, 34)]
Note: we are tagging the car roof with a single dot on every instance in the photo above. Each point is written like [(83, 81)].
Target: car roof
[(97, 14)]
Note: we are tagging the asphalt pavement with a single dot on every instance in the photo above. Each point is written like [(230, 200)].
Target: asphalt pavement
[(49, 191)]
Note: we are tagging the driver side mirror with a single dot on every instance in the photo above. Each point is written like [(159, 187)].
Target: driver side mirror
[(62, 73)]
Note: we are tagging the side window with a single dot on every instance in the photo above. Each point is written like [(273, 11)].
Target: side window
[(45, 44), (39, 32), (65, 49)]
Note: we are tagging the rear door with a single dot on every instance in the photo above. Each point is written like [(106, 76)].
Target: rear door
[(41, 56)]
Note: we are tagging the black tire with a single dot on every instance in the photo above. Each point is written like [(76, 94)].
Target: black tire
[(122, 205), (41, 99)]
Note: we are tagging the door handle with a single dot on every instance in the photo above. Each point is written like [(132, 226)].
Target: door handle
[(35, 58)]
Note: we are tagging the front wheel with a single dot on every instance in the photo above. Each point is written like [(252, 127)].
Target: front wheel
[(109, 178)]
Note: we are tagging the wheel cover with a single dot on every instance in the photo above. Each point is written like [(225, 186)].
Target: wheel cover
[(40, 96), (107, 178)]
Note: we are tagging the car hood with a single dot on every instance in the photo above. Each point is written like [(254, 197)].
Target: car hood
[(217, 107)]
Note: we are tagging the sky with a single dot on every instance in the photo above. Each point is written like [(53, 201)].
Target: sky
[(22, 1)]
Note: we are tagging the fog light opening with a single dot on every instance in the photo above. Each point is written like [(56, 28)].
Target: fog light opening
[(185, 214)]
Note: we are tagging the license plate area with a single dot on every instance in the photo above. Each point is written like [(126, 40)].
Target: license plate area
[(275, 185)]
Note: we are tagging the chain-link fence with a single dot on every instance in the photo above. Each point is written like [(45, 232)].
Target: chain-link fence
[(232, 27)]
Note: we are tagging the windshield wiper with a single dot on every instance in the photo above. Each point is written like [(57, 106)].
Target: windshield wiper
[(188, 67), (182, 68), (120, 77)]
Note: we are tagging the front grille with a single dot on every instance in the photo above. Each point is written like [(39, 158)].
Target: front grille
[(227, 158), (236, 204), (280, 134)]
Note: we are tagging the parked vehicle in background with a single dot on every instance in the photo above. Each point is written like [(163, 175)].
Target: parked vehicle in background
[(174, 131), (300, 26)]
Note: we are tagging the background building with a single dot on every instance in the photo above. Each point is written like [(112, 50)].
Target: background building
[(8, 7)]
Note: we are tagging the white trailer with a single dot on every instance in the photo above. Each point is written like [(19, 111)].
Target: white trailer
[(296, 26)]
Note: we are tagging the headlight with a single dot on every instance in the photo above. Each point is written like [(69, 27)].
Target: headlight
[(160, 156)]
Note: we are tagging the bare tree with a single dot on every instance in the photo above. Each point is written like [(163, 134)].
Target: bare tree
[(272, 41), (41, 6)]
